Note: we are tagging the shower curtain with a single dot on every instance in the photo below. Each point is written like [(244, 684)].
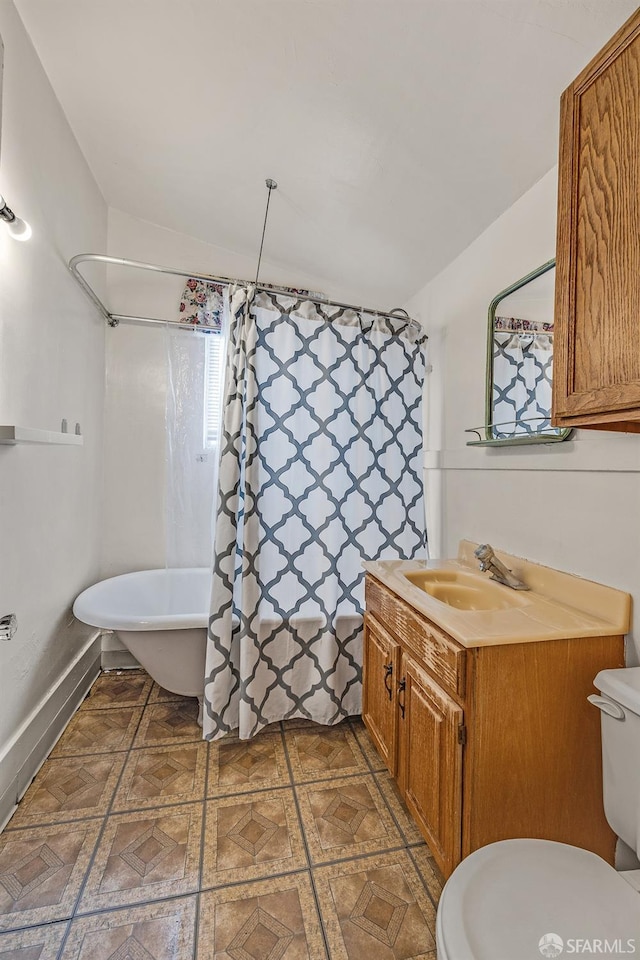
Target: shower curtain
[(321, 468), (522, 381)]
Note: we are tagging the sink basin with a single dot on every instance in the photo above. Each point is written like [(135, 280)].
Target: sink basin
[(466, 591)]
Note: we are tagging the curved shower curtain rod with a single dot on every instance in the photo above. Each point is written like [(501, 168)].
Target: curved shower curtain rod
[(113, 319)]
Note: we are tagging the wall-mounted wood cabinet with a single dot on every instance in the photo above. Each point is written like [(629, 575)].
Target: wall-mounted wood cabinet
[(597, 314), (486, 743)]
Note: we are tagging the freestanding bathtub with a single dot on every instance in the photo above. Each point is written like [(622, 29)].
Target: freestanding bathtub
[(161, 616)]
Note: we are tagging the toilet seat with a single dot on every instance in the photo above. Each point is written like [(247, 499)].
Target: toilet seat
[(502, 899)]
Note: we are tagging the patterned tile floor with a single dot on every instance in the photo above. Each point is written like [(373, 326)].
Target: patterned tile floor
[(138, 841)]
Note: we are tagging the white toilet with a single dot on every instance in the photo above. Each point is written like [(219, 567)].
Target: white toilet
[(526, 899)]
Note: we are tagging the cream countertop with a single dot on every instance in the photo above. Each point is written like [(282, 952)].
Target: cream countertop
[(556, 607)]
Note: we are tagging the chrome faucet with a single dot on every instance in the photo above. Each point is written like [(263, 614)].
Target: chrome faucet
[(489, 561)]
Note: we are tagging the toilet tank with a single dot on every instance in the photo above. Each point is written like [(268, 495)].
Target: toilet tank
[(620, 713)]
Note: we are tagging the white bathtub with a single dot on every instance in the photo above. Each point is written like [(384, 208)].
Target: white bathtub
[(161, 616)]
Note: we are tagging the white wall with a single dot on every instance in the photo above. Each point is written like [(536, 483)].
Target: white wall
[(134, 506), (51, 366), (574, 506)]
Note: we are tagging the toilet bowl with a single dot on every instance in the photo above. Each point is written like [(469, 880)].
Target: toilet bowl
[(504, 899), (524, 899)]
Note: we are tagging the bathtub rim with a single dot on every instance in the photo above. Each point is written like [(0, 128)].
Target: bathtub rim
[(91, 606)]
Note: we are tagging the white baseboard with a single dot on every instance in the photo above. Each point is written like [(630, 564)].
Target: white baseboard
[(26, 751)]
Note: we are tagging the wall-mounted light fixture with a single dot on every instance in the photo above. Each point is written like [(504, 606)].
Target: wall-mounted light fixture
[(19, 229)]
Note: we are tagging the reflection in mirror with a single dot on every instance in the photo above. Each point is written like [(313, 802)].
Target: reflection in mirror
[(520, 362)]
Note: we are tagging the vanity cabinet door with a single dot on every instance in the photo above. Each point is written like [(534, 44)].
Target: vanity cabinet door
[(596, 364), (431, 724), (381, 663)]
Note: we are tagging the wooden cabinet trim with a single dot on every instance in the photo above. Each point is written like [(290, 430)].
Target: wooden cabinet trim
[(622, 399), (438, 653), (625, 420), (565, 254), (613, 48)]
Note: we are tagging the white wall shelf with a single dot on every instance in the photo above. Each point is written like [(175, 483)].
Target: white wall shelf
[(13, 435)]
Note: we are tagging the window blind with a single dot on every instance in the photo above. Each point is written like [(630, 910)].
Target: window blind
[(213, 384)]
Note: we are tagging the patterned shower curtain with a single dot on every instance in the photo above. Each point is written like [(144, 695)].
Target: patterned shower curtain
[(522, 377), (320, 469)]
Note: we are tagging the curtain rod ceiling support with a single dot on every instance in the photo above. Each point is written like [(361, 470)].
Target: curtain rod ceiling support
[(270, 185)]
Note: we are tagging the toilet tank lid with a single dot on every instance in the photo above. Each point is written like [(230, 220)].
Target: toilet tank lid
[(623, 686)]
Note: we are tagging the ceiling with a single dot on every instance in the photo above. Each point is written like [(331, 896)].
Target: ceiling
[(396, 129)]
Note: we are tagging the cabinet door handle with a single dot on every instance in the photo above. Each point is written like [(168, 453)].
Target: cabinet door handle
[(402, 686), (388, 673)]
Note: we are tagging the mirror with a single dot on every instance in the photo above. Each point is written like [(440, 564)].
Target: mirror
[(520, 363)]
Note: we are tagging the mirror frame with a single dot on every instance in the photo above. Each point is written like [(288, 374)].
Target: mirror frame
[(523, 439)]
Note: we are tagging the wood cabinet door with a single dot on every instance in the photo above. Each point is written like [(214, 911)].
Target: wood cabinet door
[(596, 376), (381, 663), (430, 727)]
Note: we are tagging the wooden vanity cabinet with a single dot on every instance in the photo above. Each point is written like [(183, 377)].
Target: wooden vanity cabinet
[(596, 364), (402, 705), (381, 653), (486, 743), (431, 728)]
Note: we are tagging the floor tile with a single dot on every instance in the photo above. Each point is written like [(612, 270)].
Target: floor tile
[(115, 819), (301, 723), (98, 731), (159, 931), (429, 871), (168, 723), (346, 818), (376, 907), (35, 943), (242, 766), (41, 871), (160, 695), (324, 752), (145, 856), (121, 688), (161, 775), (270, 730), (367, 745), (70, 788), (252, 836), (266, 920), (407, 824)]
